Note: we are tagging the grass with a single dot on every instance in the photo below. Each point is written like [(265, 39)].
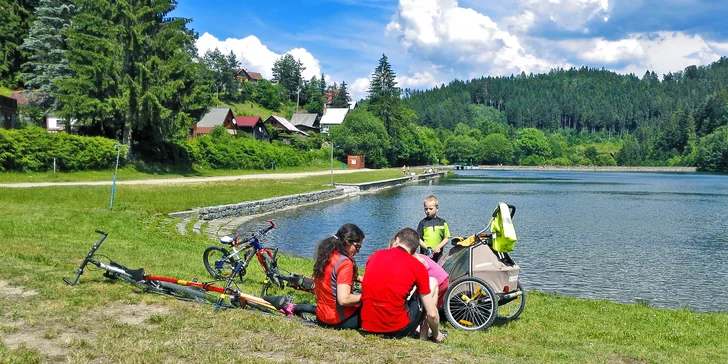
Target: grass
[(4, 91), (45, 232), (131, 172), (250, 108)]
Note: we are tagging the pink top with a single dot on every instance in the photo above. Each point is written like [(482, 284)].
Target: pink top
[(434, 270)]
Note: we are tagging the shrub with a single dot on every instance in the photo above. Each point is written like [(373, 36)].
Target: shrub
[(559, 162), (34, 149), (605, 160)]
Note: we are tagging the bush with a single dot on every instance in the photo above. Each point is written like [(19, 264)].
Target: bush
[(565, 162), (34, 149), (605, 160)]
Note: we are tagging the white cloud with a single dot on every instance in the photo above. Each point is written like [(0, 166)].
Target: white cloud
[(359, 88), (255, 56), (570, 15), (444, 34), (418, 80), (660, 52), (604, 51)]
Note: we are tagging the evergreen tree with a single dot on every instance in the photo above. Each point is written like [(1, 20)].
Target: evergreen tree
[(384, 93), (134, 75), (16, 17), (340, 96), (287, 72), (222, 71), (46, 47)]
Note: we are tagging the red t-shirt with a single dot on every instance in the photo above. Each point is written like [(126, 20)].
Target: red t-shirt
[(389, 277), (328, 309)]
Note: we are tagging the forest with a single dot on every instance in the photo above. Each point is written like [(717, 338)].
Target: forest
[(128, 71)]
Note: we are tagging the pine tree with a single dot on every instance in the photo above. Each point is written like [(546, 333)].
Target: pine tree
[(134, 75), (384, 93), (287, 71), (46, 46), (340, 96), (16, 17)]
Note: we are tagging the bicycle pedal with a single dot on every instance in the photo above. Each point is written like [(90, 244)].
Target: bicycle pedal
[(194, 279)]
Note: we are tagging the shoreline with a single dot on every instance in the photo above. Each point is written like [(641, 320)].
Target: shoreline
[(662, 169)]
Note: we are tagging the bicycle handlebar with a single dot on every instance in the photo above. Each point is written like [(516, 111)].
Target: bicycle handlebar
[(88, 258), (260, 232)]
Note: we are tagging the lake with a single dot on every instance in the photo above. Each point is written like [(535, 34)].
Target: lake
[(660, 237)]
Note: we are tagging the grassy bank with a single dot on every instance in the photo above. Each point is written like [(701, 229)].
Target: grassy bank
[(45, 232)]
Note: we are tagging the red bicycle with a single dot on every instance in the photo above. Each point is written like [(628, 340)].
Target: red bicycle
[(192, 290)]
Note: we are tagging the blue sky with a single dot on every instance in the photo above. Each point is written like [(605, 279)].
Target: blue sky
[(430, 42)]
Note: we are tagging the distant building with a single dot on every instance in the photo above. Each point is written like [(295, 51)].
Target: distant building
[(253, 126), (8, 112), (332, 116), (286, 130), (216, 116), (51, 122), (308, 122), (249, 76)]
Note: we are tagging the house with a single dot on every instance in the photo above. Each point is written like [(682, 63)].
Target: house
[(248, 76), (332, 116), (286, 130), (308, 122), (8, 112), (253, 126), (51, 122), (216, 116)]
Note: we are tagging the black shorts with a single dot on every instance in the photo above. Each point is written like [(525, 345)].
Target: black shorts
[(352, 322), (414, 311)]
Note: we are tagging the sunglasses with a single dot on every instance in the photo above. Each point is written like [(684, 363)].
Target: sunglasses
[(357, 246)]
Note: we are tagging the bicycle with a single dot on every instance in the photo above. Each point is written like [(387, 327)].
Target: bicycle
[(223, 264), (203, 292)]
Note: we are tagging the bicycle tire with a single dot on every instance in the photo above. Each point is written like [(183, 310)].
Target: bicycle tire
[(271, 272), (214, 264), (187, 293)]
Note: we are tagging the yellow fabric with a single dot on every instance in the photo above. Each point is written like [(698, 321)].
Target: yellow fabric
[(502, 226)]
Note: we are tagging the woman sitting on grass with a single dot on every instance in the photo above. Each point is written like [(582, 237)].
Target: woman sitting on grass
[(334, 272)]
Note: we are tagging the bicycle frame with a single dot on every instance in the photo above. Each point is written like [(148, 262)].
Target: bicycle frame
[(282, 304)]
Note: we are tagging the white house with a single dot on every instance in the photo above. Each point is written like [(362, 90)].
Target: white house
[(332, 116)]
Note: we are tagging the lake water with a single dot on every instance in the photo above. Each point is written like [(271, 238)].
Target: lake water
[(661, 237)]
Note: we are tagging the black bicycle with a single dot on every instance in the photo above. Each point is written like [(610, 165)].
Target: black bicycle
[(222, 263)]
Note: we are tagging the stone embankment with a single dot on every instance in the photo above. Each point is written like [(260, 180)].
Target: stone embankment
[(221, 220)]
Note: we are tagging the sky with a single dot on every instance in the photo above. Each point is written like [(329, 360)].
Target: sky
[(432, 42)]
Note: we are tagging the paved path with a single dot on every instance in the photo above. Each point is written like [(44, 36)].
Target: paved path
[(185, 179)]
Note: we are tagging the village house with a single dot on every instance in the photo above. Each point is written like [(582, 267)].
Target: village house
[(248, 76), (51, 122), (286, 130), (216, 116), (253, 126), (332, 116), (8, 112), (307, 122)]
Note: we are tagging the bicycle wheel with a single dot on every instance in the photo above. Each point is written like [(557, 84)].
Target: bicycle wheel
[(216, 265), (510, 309), (270, 267), (470, 304), (187, 293)]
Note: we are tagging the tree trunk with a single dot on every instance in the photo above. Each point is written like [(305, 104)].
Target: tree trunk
[(127, 140)]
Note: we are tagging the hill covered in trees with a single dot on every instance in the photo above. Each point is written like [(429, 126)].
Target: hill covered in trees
[(650, 121)]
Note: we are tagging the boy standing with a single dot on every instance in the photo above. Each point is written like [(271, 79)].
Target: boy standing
[(433, 230)]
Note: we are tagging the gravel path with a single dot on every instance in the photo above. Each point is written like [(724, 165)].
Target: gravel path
[(184, 179)]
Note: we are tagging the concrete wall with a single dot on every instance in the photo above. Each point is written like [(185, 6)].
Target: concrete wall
[(276, 203)]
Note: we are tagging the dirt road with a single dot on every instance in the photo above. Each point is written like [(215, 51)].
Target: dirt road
[(184, 179)]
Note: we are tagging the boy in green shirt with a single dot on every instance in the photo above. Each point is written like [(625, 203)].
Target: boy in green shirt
[(433, 230)]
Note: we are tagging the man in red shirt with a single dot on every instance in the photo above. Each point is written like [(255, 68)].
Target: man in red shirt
[(388, 308)]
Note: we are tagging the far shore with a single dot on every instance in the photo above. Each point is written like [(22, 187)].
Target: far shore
[(578, 168)]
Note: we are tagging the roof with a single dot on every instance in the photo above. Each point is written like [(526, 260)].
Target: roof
[(334, 116), (307, 119), (21, 97), (286, 124), (215, 117), (247, 121), (255, 75)]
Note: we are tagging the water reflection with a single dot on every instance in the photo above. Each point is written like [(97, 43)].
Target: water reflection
[(617, 236)]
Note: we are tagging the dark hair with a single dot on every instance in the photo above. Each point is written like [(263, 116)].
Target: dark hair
[(409, 238), (347, 234)]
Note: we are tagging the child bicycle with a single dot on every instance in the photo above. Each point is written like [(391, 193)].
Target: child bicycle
[(223, 264), (191, 290)]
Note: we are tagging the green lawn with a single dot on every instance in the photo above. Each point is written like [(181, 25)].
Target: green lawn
[(250, 108), (4, 91), (45, 233)]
